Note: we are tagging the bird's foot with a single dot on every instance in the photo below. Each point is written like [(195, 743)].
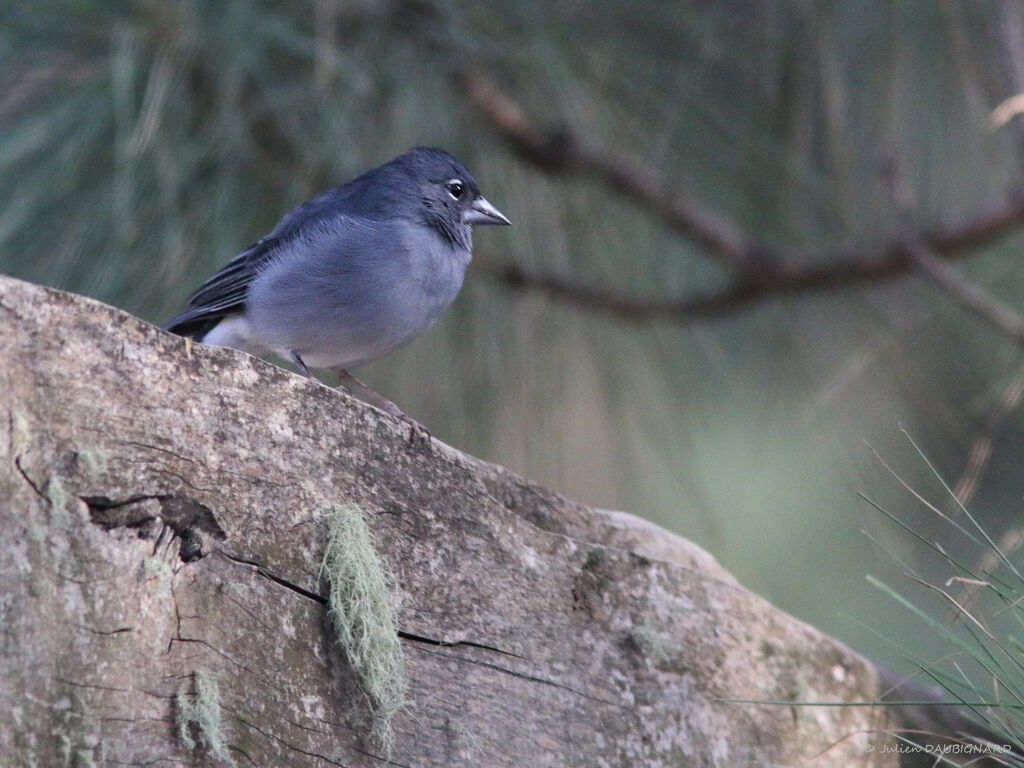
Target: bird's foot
[(418, 435)]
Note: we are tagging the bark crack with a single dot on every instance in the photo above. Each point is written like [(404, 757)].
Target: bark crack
[(279, 740), (113, 689), (24, 474), (274, 577), (150, 514), (215, 649), (455, 644), (535, 679), (107, 632), (161, 450), (262, 571)]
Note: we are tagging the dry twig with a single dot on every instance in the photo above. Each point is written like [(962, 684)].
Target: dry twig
[(968, 295), (758, 270)]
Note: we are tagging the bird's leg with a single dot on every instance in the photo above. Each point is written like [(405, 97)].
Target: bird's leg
[(418, 433), (302, 366), (305, 371)]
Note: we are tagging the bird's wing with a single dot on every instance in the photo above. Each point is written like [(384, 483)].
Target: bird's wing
[(224, 294)]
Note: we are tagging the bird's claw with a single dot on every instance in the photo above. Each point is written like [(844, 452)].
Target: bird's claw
[(418, 434)]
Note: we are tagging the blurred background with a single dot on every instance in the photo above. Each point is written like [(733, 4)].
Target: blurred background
[(649, 335)]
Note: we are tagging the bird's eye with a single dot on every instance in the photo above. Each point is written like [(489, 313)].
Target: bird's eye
[(456, 189)]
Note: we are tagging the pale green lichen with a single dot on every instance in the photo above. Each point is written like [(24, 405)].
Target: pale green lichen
[(19, 433), (156, 568), (56, 493), (651, 641), (95, 460), (466, 738), (58, 496), (363, 613), (79, 758), (197, 714)]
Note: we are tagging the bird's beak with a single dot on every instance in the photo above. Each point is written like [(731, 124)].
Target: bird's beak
[(482, 212)]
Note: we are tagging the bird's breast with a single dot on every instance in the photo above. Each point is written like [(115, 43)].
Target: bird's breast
[(346, 308)]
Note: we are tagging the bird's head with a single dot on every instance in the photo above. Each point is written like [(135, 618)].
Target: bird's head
[(444, 193)]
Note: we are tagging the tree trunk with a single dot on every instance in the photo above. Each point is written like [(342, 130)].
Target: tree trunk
[(166, 508)]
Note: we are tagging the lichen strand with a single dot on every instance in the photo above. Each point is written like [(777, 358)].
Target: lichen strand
[(197, 715), (363, 614)]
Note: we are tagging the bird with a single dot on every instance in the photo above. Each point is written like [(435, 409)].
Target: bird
[(352, 274)]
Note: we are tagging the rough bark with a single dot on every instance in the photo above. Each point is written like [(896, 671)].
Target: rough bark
[(162, 515)]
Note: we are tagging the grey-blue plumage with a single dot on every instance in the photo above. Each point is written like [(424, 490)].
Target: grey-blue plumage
[(352, 274)]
